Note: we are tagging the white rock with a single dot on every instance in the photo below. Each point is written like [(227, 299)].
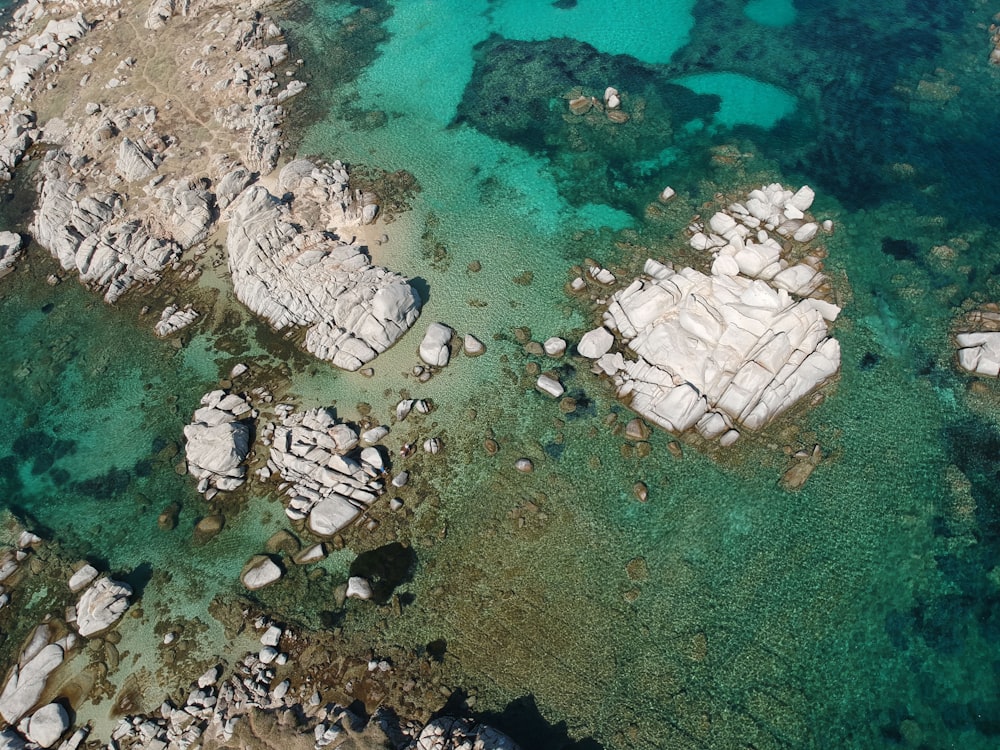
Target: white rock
[(261, 574), (331, 515), (595, 343), (472, 346), (979, 352), (358, 588), (550, 386), (82, 578), (374, 435), (101, 606), (271, 636), (554, 346), (27, 681), (434, 346), (667, 194), (524, 465), (48, 724)]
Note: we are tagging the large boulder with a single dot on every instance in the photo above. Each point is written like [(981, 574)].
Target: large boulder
[(218, 441), (48, 724), (434, 346), (261, 571), (10, 249), (101, 606), (27, 681)]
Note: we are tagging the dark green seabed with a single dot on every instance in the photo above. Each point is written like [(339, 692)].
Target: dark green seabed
[(860, 611)]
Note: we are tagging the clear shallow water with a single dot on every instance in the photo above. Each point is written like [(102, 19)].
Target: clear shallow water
[(859, 612)]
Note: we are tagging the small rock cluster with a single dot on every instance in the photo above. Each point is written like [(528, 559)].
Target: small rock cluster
[(328, 478), (218, 442)]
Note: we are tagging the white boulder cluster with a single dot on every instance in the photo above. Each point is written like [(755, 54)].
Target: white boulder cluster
[(218, 442), (741, 240), (87, 232), (725, 351), (978, 342), (329, 479), (353, 310), (448, 733), (101, 606), (28, 678)]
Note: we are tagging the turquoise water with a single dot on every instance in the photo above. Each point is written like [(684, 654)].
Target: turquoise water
[(771, 12), (861, 611)]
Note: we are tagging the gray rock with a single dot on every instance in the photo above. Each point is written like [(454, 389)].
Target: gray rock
[(260, 571), (10, 250), (134, 161), (447, 733), (352, 310)]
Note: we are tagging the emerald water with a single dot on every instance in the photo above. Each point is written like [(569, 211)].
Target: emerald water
[(860, 611)]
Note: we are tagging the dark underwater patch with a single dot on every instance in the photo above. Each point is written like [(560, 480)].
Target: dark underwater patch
[(899, 249)]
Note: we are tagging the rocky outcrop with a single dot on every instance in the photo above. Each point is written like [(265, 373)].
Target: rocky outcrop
[(978, 341), (101, 606), (742, 239), (159, 13), (447, 733), (352, 310), (174, 319), (85, 233), (329, 481), (734, 348), (10, 251), (716, 352), (218, 441), (17, 132)]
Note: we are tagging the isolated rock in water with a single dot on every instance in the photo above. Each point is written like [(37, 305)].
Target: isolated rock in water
[(554, 346), (434, 346), (260, 572), (48, 724), (714, 352), (978, 341), (447, 733), (353, 310), (550, 386), (218, 441), (27, 681), (101, 606), (329, 480), (472, 346), (10, 249), (358, 588), (173, 319)]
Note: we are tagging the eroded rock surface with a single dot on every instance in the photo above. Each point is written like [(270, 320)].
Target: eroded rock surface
[(732, 349), (351, 309), (218, 441), (330, 481)]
